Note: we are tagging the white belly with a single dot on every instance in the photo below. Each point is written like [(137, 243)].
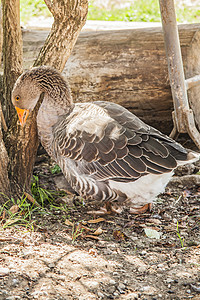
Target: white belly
[(144, 190)]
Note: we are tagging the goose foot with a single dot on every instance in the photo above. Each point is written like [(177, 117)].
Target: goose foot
[(107, 209)]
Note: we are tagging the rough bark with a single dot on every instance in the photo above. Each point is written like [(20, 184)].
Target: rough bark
[(12, 53), (128, 67), (4, 181), (69, 17), (192, 68), (1, 29), (23, 144)]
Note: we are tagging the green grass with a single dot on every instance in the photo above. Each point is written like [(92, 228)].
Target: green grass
[(23, 212), (182, 240), (22, 216), (139, 11)]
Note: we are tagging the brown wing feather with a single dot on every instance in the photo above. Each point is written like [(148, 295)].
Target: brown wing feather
[(123, 149)]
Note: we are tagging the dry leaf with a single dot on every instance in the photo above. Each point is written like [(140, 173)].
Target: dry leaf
[(96, 220), (154, 221), (92, 237), (68, 222), (30, 198), (14, 209), (98, 231), (4, 214), (152, 233), (93, 252), (86, 228), (118, 235)]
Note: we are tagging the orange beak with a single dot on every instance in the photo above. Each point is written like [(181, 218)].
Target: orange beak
[(22, 115)]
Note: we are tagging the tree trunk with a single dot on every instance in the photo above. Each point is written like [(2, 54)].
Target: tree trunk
[(12, 53), (22, 143), (4, 181), (1, 29)]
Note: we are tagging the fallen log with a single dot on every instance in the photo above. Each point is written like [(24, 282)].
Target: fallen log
[(127, 67)]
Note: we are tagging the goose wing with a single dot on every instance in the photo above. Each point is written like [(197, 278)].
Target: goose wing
[(109, 142)]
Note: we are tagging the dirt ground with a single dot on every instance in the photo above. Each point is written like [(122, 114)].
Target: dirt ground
[(71, 254)]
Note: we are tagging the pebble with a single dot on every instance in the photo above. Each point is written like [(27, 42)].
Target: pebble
[(112, 282), (100, 295), (169, 280), (15, 282), (121, 286), (167, 217), (111, 289), (4, 271), (51, 265), (157, 217), (142, 269), (143, 253), (148, 290), (13, 298), (108, 251), (92, 284)]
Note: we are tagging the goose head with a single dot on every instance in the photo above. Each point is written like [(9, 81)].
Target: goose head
[(29, 86)]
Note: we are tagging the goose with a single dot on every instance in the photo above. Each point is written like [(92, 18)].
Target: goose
[(106, 153)]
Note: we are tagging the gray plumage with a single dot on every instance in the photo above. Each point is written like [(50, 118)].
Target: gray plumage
[(105, 152)]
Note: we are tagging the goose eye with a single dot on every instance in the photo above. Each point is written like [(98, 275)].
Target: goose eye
[(17, 98)]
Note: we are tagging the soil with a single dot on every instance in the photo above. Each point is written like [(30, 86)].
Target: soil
[(155, 255)]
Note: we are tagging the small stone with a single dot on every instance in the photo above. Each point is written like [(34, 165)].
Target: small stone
[(142, 269), (169, 280), (92, 285), (15, 282), (188, 291), (115, 274), (51, 265), (100, 295), (4, 271), (111, 289), (108, 251), (148, 290), (121, 286), (112, 281), (13, 298), (167, 217), (157, 216), (4, 292)]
